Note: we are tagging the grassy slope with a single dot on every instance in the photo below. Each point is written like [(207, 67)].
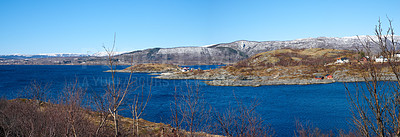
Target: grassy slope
[(294, 63), (153, 67)]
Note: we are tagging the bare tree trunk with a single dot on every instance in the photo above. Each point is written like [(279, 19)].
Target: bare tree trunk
[(138, 106), (116, 90), (116, 123)]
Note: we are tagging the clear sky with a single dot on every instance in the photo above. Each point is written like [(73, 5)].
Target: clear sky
[(83, 26)]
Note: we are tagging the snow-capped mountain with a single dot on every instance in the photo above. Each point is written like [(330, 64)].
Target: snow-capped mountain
[(26, 56), (239, 50), (213, 54), (104, 53)]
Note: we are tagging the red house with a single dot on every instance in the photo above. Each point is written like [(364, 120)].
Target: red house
[(364, 59), (328, 76)]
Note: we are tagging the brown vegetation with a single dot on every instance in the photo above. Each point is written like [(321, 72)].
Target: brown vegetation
[(25, 117), (289, 63), (153, 67), (299, 64)]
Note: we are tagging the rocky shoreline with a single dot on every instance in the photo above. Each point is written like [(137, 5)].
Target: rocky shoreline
[(234, 81), (128, 71), (254, 81)]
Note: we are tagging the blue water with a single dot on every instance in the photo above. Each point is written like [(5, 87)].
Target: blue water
[(323, 105), (204, 67)]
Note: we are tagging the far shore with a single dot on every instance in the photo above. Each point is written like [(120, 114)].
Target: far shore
[(99, 64), (230, 80), (128, 71), (255, 82)]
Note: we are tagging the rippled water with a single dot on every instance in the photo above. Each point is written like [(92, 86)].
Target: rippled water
[(323, 105)]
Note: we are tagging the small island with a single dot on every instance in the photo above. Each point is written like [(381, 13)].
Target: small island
[(150, 68), (278, 67)]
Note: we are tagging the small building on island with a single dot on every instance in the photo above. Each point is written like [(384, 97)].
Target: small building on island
[(328, 76), (364, 59), (342, 60), (185, 69), (381, 59)]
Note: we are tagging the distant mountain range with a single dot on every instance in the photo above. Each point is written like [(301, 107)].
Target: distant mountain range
[(239, 50), (52, 55), (215, 54), (22, 56)]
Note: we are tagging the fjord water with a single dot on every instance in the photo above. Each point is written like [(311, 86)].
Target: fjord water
[(323, 105)]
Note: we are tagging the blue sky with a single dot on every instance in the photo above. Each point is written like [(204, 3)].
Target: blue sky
[(83, 26)]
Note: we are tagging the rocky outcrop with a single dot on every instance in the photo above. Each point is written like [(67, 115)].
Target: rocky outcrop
[(256, 83), (150, 68)]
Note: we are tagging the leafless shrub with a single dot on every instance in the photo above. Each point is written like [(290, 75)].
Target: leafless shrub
[(73, 110), (99, 104), (307, 130), (138, 106), (38, 91), (116, 89), (242, 121), (375, 103), (190, 111), (26, 117)]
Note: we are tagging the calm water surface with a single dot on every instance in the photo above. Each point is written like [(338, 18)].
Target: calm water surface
[(323, 105)]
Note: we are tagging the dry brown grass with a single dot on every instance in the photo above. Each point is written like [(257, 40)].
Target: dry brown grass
[(293, 63), (154, 67), (296, 63), (92, 119)]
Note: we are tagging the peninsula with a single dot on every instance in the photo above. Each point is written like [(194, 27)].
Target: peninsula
[(150, 68), (287, 67)]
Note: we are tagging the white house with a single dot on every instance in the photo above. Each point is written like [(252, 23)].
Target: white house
[(397, 55), (381, 59), (184, 69), (342, 60)]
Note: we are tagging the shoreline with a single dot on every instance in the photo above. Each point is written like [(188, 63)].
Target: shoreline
[(128, 71), (56, 65), (232, 80), (256, 82), (102, 64)]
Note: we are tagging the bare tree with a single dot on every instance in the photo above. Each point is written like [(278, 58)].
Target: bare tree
[(241, 120), (190, 111), (116, 89), (308, 130), (139, 105), (175, 112), (38, 91), (375, 102), (73, 107), (100, 105)]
